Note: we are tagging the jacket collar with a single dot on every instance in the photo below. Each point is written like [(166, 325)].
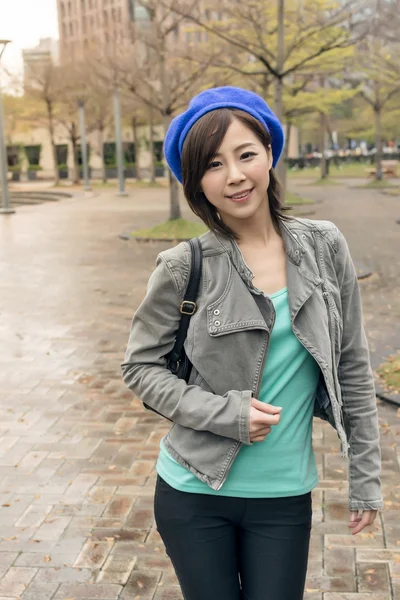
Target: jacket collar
[(293, 246)]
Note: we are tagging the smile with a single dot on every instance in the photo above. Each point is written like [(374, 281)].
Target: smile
[(240, 196)]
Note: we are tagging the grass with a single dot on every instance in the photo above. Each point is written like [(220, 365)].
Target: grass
[(178, 229), (389, 373), (344, 171), (393, 191), (375, 184), (296, 200), (129, 184)]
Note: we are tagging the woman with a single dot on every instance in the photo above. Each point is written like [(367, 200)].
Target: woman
[(277, 338)]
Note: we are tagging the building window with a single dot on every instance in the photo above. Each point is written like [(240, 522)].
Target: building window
[(198, 36), (84, 27), (120, 15), (207, 14), (63, 10), (71, 29), (83, 7), (188, 36), (176, 32), (69, 8), (105, 17), (64, 29)]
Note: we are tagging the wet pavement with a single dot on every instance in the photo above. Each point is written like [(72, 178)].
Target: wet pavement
[(77, 451)]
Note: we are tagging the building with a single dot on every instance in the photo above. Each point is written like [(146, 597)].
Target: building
[(38, 58), (91, 24)]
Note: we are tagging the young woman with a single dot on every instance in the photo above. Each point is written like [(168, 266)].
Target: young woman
[(277, 338)]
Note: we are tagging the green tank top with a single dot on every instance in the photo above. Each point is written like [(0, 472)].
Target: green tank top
[(284, 463)]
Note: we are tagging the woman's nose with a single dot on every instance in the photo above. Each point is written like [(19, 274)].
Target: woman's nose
[(235, 174)]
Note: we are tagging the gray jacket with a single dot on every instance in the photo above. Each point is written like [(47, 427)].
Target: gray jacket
[(227, 343)]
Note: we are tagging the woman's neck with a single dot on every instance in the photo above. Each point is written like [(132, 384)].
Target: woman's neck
[(258, 231)]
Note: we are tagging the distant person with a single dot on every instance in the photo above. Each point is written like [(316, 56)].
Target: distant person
[(276, 338)]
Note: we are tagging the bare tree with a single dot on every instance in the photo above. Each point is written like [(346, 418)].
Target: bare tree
[(47, 85), (158, 73), (376, 70)]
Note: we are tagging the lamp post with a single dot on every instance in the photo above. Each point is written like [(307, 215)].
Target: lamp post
[(82, 126), (5, 207), (118, 144)]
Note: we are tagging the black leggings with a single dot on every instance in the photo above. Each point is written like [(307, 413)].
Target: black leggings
[(225, 548)]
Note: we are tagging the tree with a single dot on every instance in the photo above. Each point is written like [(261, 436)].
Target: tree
[(156, 71), (283, 39), (47, 85), (76, 91), (377, 72)]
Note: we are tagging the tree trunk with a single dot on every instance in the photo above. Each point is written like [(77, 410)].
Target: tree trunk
[(285, 156), (378, 141), (175, 209), (101, 151), (74, 140), (53, 145), (281, 168), (137, 149), (151, 147), (324, 165)]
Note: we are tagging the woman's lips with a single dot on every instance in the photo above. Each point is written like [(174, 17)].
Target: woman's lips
[(241, 198)]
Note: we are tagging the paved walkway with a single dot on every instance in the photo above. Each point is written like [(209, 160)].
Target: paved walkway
[(77, 451)]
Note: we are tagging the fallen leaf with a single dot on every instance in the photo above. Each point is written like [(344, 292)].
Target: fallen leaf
[(47, 559)]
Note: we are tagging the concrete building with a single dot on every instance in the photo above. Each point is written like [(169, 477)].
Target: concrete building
[(35, 59), (85, 25)]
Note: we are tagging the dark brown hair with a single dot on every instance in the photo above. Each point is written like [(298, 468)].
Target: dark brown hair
[(200, 147)]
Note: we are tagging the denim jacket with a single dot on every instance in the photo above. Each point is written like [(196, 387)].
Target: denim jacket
[(227, 343)]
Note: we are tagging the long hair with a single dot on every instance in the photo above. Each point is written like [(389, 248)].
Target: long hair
[(201, 145)]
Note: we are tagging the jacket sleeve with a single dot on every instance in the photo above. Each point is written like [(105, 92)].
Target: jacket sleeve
[(144, 370), (358, 391)]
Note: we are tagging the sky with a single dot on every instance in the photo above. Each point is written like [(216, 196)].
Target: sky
[(24, 22)]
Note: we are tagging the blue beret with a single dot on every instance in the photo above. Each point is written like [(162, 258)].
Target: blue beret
[(212, 99)]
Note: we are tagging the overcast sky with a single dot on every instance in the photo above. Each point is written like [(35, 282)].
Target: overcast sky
[(25, 22)]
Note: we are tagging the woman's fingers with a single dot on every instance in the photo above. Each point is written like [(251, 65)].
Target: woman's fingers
[(359, 521), (260, 434)]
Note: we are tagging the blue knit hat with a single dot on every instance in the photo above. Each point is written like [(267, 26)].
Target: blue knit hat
[(222, 97)]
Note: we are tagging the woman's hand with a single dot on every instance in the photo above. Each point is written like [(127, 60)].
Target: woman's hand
[(262, 416), (361, 519)]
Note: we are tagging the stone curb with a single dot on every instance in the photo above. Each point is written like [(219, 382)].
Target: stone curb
[(390, 397)]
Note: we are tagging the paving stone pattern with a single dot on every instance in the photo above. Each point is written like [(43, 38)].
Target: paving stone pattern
[(77, 451)]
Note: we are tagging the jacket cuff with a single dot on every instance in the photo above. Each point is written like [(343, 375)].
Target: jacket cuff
[(371, 505), (244, 418)]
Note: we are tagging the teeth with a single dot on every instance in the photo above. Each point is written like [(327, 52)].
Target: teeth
[(241, 195)]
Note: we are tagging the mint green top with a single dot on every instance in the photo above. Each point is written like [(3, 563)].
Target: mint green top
[(284, 463)]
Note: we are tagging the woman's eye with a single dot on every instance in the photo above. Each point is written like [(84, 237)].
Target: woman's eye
[(214, 164), (248, 155)]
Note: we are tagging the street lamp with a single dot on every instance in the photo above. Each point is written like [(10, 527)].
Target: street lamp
[(5, 208), (118, 144), (81, 107)]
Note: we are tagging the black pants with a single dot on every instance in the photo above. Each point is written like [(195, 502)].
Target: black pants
[(225, 548)]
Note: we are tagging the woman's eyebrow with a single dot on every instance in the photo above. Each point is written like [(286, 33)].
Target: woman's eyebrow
[(240, 147)]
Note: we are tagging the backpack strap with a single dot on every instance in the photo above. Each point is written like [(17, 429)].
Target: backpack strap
[(188, 307)]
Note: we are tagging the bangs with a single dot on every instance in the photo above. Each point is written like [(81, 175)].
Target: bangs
[(205, 138)]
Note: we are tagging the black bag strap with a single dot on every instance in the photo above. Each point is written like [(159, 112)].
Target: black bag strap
[(188, 307)]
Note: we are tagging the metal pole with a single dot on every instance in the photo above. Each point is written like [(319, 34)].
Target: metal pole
[(5, 207), (118, 144), (82, 126)]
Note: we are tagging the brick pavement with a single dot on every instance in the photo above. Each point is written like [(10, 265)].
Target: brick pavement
[(77, 452)]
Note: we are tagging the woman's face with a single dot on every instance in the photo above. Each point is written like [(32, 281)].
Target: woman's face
[(237, 178)]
